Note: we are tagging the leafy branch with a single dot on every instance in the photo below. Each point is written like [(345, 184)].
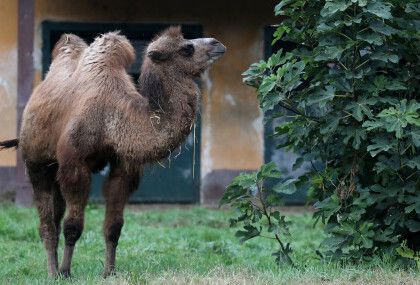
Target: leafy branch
[(253, 201)]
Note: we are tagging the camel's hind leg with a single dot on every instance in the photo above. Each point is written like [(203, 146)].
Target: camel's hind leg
[(59, 210), (117, 190), (50, 208)]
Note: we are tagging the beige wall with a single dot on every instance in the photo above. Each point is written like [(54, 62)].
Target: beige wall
[(8, 77), (232, 132)]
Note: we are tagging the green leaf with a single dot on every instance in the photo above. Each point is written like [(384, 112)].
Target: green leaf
[(384, 163), (329, 206), (397, 126), (414, 202), (380, 9), (279, 7), (324, 28), (330, 126), (411, 26), (361, 108), (362, 3), (386, 235), (342, 84), (382, 28), (413, 226), (298, 163), (286, 187), (380, 82), (283, 258), (358, 135), (393, 121), (269, 170), (381, 144), (330, 53), (386, 57), (333, 6), (371, 125), (412, 162), (244, 179), (412, 7), (405, 252), (269, 101), (267, 85), (370, 37), (249, 233), (334, 241), (415, 136), (356, 213), (412, 107), (275, 59), (322, 97), (395, 85)]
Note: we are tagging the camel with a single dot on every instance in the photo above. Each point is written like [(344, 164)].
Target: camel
[(87, 113)]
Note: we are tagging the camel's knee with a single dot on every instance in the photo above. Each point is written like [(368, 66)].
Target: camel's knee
[(72, 231), (48, 235), (112, 234)]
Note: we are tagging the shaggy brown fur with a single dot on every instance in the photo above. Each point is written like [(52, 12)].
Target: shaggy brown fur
[(87, 113)]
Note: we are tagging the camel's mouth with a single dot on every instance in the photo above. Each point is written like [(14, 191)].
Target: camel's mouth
[(216, 55)]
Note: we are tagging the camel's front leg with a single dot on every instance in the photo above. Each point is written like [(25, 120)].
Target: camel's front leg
[(117, 190), (74, 182)]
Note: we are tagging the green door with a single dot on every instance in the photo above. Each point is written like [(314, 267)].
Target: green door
[(177, 180)]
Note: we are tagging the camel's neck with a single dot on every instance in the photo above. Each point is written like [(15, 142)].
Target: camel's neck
[(177, 113), (173, 104)]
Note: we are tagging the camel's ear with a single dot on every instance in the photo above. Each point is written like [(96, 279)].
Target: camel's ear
[(156, 55)]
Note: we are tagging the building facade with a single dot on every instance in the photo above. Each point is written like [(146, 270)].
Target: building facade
[(230, 134)]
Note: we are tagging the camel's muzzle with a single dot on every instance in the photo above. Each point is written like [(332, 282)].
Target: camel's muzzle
[(214, 48), (217, 49)]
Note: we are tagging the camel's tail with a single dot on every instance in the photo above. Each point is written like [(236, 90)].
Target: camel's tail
[(9, 144)]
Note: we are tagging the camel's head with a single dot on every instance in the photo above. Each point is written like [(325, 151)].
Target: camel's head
[(191, 57)]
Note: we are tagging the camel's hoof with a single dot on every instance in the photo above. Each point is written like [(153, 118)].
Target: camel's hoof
[(64, 273), (108, 273)]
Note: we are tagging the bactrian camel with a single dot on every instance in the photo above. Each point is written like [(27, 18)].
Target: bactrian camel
[(87, 113)]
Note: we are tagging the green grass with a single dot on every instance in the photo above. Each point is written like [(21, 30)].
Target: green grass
[(180, 246)]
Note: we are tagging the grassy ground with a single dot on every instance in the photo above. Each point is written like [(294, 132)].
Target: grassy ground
[(180, 246)]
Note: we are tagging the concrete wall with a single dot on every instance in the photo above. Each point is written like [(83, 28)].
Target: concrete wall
[(8, 78), (232, 131)]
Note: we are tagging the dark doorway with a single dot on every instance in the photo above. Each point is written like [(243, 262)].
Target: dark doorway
[(179, 181)]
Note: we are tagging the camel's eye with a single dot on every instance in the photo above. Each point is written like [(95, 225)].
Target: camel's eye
[(187, 50)]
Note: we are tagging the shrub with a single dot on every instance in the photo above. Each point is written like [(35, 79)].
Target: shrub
[(256, 204), (352, 86)]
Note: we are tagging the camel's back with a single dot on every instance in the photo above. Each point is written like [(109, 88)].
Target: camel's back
[(50, 103)]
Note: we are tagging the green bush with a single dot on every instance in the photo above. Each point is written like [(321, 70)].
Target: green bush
[(352, 85)]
